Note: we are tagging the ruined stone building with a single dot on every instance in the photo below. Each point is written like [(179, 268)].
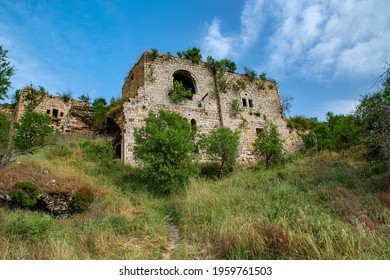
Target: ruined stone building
[(147, 88), (72, 117)]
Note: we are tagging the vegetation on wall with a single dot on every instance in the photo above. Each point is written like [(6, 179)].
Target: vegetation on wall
[(192, 54), (179, 92), (236, 108)]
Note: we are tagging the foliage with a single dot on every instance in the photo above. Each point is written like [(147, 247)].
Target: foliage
[(6, 71), (179, 92), (15, 99), (222, 144), (152, 55), (192, 54), (100, 109), (299, 123), (66, 96), (263, 76), (224, 65), (374, 114), (268, 145), (33, 227), (85, 98), (34, 97), (239, 85), (165, 147), (32, 131), (24, 195), (250, 73), (4, 131), (82, 200), (236, 108)]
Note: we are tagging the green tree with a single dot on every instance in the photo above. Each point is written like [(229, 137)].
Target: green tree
[(192, 54), (166, 149), (85, 98), (268, 145), (4, 131), (221, 144), (100, 109), (6, 71), (32, 131)]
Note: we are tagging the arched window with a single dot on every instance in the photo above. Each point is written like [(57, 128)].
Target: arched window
[(186, 79), (193, 124)]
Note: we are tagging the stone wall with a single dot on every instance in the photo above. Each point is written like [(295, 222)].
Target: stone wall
[(72, 117), (203, 109)]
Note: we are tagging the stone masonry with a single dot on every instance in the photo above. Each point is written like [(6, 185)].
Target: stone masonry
[(72, 117), (147, 89)]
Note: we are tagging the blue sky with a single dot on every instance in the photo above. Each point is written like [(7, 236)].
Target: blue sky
[(325, 54)]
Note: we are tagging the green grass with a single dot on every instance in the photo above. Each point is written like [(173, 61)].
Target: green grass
[(322, 206)]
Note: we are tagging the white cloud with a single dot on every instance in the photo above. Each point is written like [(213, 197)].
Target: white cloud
[(219, 46), (215, 43), (330, 39), (339, 106)]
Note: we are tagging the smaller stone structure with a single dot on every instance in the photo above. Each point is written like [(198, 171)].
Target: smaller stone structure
[(72, 117)]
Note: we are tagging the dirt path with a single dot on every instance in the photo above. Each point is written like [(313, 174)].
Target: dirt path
[(174, 234)]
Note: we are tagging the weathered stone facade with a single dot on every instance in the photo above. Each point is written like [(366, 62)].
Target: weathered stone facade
[(147, 89), (72, 117)]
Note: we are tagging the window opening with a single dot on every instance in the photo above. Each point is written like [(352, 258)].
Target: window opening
[(258, 130), (193, 124), (250, 101), (61, 114), (48, 112), (244, 103), (185, 78), (55, 113)]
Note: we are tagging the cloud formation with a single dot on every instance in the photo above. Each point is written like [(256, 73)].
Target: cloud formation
[(329, 39), (220, 46)]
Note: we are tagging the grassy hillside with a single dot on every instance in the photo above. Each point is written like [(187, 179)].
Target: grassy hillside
[(324, 206)]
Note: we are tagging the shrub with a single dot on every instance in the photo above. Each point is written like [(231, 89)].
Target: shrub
[(24, 195), (179, 92), (166, 149), (251, 74), (222, 144), (192, 54), (268, 144), (32, 131), (82, 200), (236, 107), (152, 55), (4, 131), (33, 227)]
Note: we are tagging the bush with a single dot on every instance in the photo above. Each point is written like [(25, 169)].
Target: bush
[(166, 149), (179, 92), (4, 131), (32, 131), (25, 195), (82, 200), (268, 144), (192, 54), (222, 144)]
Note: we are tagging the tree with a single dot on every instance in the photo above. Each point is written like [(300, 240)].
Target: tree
[(4, 131), (100, 109), (268, 144), (374, 113), (85, 98), (221, 144), (32, 131), (166, 149), (6, 71), (287, 103)]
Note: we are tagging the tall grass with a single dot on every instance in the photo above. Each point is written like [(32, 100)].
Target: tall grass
[(322, 206)]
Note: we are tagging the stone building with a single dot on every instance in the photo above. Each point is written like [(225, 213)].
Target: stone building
[(72, 117), (147, 88)]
